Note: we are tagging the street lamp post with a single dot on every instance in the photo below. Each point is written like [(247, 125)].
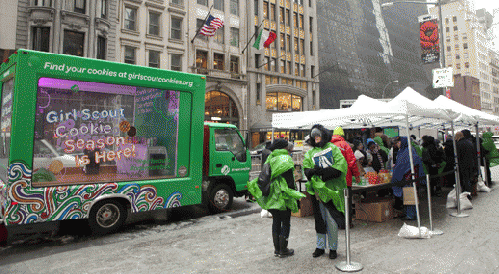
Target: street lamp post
[(383, 96), (440, 26)]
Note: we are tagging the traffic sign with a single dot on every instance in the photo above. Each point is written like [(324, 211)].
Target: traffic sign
[(443, 78)]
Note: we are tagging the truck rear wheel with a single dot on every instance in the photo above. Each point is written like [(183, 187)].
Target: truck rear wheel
[(107, 216), (221, 197)]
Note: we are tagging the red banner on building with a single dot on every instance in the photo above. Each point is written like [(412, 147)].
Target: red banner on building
[(447, 93), (429, 39)]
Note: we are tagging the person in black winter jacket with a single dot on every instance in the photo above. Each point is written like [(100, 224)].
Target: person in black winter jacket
[(450, 179), (466, 157), (483, 153), (432, 158)]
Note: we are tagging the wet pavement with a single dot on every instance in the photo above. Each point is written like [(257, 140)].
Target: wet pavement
[(240, 241)]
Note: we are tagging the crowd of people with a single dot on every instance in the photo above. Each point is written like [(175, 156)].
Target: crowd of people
[(333, 162)]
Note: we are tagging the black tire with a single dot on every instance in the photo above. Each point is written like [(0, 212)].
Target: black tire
[(220, 198), (107, 216)]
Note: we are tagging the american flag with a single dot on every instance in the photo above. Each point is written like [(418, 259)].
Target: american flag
[(211, 25)]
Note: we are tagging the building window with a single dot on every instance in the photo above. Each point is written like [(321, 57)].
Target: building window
[(201, 59), (289, 68), (43, 3), (218, 4), (456, 46), (465, 37), (283, 101), (447, 29), (267, 63), (219, 35), (272, 12), (234, 37), (302, 46), (154, 23), (458, 66), (199, 25), (282, 65), (448, 48), (103, 8), (129, 55), (297, 69), (465, 46), (312, 71), (176, 62), (447, 20), (311, 48), (266, 10), (466, 64), (257, 60), (273, 64), (73, 43), (281, 15), (295, 19), (101, 47), (302, 70), (456, 37), (218, 61), (154, 59), (288, 42), (454, 19), (255, 3), (311, 23), (301, 21), (296, 45), (176, 29), (41, 39), (283, 41), (258, 92), (455, 28), (130, 18), (80, 6), (234, 64), (203, 2), (458, 57), (234, 7), (310, 3)]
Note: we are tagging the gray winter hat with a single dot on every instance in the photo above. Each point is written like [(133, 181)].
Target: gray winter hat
[(316, 132)]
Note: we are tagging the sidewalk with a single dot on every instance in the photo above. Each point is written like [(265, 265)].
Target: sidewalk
[(238, 243)]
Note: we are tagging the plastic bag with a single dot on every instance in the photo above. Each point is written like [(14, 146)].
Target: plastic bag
[(464, 202), (482, 187), (412, 232), (265, 214)]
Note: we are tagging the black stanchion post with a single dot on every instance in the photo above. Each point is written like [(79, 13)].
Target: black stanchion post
[(348, 266), (436, 231)]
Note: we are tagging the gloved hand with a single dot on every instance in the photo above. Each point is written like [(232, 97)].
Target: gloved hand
[(329, 173), (309, 172)]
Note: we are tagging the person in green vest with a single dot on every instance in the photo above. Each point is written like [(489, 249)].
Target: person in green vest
[(416, 146), (381, 145), (326, 169), (493, 153), (279, 196)]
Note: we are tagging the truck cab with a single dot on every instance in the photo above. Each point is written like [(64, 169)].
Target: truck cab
[(226, 165)]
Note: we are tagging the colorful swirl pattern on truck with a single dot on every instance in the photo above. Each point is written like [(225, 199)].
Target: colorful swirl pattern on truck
[(30, 205)]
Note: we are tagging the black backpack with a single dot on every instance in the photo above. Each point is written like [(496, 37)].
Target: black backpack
[(264, 179)]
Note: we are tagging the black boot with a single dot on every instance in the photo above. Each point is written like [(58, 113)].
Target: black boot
[(283, 244), (332, 254), (277, 248), (318, 252)]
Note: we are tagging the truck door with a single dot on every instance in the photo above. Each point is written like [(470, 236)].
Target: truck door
[(230, 157)]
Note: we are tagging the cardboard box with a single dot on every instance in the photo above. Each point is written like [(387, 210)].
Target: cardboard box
[(306, 208), (376, 211), (408, 196)]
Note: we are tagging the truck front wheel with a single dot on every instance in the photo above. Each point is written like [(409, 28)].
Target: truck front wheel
[(107, 216), (221, 197)]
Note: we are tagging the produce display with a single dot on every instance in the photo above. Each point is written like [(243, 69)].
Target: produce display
[(374, 178)]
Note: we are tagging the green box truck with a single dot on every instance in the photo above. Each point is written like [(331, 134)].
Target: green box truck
[(91, 139)]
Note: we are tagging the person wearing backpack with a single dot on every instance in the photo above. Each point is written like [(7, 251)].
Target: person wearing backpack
[(326, 169), (275, 191)]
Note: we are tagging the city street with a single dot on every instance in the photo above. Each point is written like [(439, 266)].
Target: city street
[(240, 241)]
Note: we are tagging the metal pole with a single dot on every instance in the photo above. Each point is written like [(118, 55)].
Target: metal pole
[(417, 206), (347, 266), (442, 39), (457, 214), (478, 153), (436, 231)]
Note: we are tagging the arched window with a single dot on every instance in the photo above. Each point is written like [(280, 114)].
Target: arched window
[(219, 107)]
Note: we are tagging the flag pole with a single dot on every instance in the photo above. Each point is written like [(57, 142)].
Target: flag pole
[(249, 41), (204, 22)]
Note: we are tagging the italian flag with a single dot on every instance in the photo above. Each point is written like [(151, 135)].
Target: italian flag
[(264, 39)]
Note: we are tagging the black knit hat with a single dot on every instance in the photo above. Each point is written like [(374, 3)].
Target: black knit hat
[(280, 143)]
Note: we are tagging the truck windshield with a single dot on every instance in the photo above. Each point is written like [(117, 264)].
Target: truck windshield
[(227, 139), (5, 126)]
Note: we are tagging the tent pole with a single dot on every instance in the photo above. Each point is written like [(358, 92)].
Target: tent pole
[(413, 174), (458, 183), (485, 177), (272, 135)]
